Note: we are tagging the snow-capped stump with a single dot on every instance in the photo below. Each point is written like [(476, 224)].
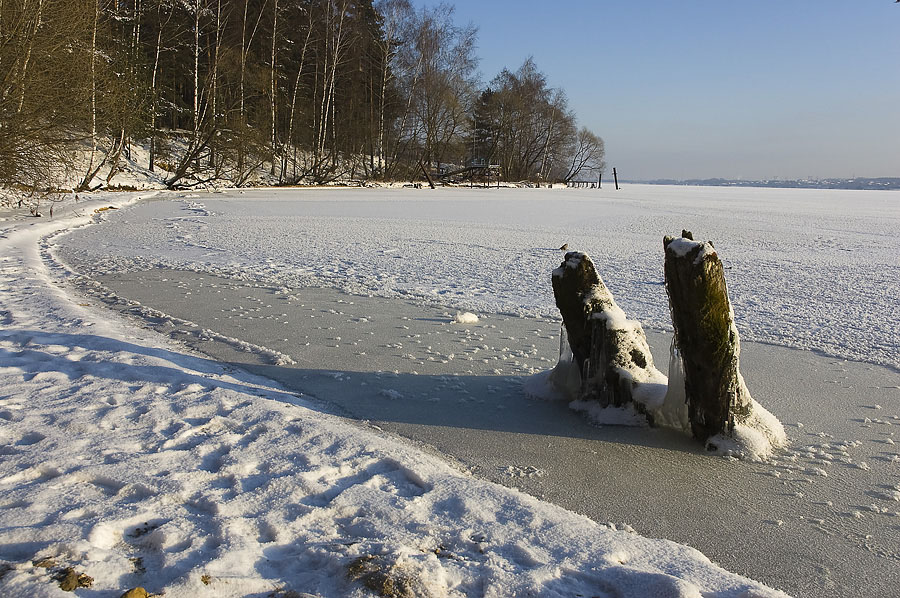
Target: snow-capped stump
[(610, 350), (721, 411)]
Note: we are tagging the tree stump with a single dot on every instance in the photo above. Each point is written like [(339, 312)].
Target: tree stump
[(706, 337), (611, 352)]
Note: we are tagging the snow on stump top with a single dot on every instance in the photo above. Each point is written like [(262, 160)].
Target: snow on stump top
[(721, 411), (610, 350)]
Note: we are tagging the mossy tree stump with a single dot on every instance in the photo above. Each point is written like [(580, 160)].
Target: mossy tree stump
[(705, 336), (611, 351)]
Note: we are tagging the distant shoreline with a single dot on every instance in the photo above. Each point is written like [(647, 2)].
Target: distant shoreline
[(857, 183)]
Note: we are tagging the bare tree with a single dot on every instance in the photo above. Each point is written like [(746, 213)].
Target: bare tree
[(587, 155), (294, 97), (91, 170), (43, 75), (396, 15), (273, 90), (154, 94), (440, 60), (529, 123)]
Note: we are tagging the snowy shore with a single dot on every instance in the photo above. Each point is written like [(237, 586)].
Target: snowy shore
[(139, 462)]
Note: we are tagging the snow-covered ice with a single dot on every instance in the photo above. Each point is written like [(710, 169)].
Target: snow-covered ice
[(807, 269), (138, 462)]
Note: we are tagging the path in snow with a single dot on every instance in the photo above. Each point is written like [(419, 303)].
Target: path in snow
[(820, 520)]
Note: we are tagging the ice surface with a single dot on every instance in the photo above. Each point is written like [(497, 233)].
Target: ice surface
[(490, 251), (197, 469)]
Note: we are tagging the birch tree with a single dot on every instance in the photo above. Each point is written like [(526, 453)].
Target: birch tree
[(396, 15), (443, 84), (295, 89), (91, 172)]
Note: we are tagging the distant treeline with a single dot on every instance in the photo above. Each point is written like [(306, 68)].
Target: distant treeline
[(306, 90), (854, 183)]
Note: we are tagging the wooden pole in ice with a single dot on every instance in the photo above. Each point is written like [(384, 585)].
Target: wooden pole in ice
[(427, 175), (705, 336)]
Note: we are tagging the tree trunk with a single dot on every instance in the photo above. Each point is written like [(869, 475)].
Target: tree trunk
[(290, 131), (705, 336), (196, 110), (385, 73), (91, 172), (427, 175), (24, 83), (153, 93), (611, 351), (214, 81), (273, 89)]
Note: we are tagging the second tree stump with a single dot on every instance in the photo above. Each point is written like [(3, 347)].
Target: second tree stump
[(706, 337)]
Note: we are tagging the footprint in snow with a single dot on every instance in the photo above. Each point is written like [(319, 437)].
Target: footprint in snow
[(30, 438)]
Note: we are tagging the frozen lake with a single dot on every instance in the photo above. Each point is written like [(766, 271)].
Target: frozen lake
[(807, 269), (815, 272)]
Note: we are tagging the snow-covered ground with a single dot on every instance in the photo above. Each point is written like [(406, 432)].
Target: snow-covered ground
[(136, 462)]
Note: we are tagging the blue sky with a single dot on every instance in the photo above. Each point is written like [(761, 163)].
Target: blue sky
[(702, 88)]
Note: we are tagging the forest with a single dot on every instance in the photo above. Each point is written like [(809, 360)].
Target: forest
[(303, 91)]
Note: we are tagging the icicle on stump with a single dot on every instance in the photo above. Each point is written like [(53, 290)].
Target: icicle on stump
[(611, 352), (721, 411)]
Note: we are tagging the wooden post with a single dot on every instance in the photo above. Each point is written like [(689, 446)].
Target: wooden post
[(616, 177), (427, 176), (705, 336), (600, 181), (611, 351)]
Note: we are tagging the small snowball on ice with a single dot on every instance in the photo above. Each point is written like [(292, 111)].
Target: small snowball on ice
[(466, 317)]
